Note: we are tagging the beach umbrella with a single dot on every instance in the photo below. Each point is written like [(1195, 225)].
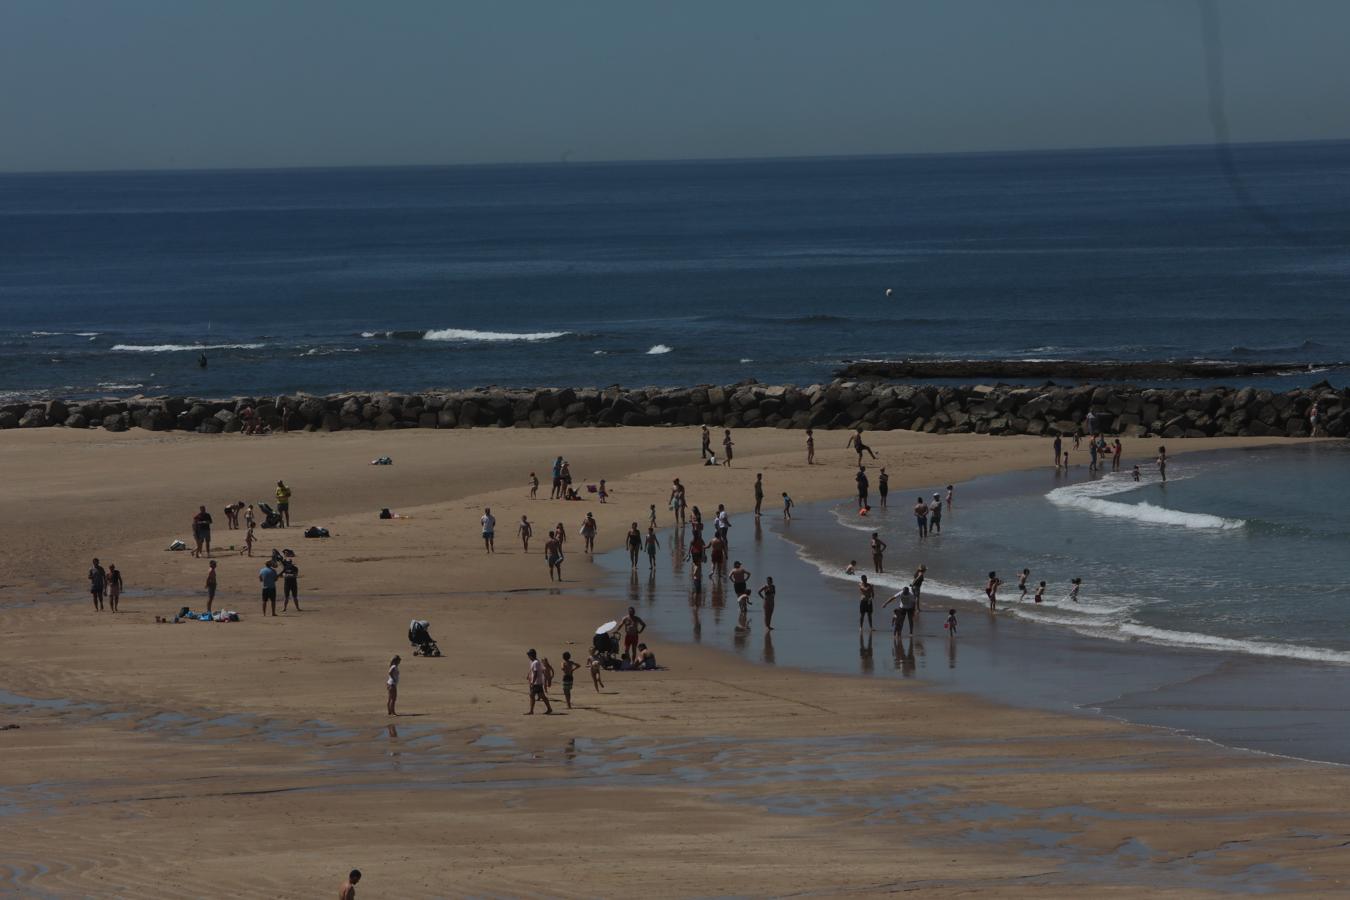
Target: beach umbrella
[(607, 627)]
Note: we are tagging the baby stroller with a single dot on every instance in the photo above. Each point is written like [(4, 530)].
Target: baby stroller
[(605, 647), (419, 635), (271, 518)]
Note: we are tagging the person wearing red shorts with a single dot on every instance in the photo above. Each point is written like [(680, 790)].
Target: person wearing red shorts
[(631, 626)]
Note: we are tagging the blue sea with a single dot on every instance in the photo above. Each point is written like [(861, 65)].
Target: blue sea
[(1217, 603), (665, 273)]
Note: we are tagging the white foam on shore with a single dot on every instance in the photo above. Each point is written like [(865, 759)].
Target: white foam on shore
[(1191, 640), (658, 349), (1089, 497), (88, 334), (328, 351), (175, 348)]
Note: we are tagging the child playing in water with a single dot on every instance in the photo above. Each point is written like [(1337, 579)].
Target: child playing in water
[(1073, 592), (651, 518), (568, 668), (950, 624), (1022, 584), (950, 491), (991, 590), (593, 663), (851, 568), (1040, 593), (1136, 473), (787, 507)]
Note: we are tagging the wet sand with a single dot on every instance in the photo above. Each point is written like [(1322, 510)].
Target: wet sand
[(255, 759)]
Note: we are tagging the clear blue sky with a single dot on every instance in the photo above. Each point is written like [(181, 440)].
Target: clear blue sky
[(107, 84)]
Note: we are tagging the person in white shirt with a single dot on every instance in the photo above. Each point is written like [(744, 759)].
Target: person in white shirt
[(489, 523), (534, 677)]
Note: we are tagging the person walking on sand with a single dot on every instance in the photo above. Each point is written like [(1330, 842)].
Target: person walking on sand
[(767, 594), (705, 444), (534, 486), (588, 529), (556, 493), (634, 543), (526, 531), (284, 504), (201, 532), (98, 584), (348, 889), (921, 516), (855, 441), (211, 585), (290, 585), (867, 593), (593, 665), (391, 685), (935, 514), (553, 555), (489, 524), (883, 486), (861, 480), (727, 444), (632, 627), (878, 551), (759, 493), (810, 447), (267, 576), (651, 544), (677, 501), (114, 587), (535, 678), (991, 590)]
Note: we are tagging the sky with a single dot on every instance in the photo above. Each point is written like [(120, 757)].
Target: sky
[(150, 84)]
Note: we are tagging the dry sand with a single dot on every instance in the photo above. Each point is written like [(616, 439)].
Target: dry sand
[(255, 759)]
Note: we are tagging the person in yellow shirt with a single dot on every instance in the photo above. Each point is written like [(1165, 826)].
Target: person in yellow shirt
[(284, 504)]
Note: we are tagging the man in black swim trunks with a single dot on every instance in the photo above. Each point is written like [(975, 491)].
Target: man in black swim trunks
[(862, 487)]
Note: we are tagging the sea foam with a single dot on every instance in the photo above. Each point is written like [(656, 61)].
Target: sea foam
[(174, 348), (1090, 497), (658, 349)]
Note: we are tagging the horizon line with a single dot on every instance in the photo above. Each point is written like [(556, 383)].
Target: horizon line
[(722, 160)]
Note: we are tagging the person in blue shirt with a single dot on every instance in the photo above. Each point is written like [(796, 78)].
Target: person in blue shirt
[(268, 576)]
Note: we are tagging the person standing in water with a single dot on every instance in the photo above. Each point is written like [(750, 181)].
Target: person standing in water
[(1162, 462), (740, 578), (883, 486), (878, 551), (904, 611), (991, 590), (652, 545), (1059, 448), (767, 594), (677, 501), (921, 516), (861, 479), (1116, 450), (1022, 584), (759, 493), (917, 584), (634, 543), (935, 515), (866, 594)]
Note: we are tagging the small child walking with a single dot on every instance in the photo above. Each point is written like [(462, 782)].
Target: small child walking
[(1073, 592), (604, 492), (950, 624), (568, 667), (593, 663), (248, 542), (787, 507), (534, 486)]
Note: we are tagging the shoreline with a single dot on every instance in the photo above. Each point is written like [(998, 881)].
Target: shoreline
[(1135, 681), (709, 749)]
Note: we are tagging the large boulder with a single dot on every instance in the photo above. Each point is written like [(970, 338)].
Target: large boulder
[(34, 418)]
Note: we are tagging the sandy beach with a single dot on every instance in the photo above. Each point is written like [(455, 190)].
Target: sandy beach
[(256, 759)]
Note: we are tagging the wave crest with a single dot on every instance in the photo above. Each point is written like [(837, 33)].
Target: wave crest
[(176, 348), (659, 349), (1090, 495), (465, 335)]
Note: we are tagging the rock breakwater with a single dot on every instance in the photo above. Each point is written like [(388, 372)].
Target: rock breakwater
[(979, 409)]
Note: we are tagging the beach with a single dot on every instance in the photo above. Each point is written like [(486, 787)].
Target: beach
[(255, 758)]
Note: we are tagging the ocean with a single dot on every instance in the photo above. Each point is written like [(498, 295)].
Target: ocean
[(664, 273), (1216, 604)]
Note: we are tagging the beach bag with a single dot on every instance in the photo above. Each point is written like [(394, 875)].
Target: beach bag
[(314, 531), (386, 514), (176, 545)]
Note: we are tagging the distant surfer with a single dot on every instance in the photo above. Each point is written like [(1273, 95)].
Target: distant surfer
[(201, 361)]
